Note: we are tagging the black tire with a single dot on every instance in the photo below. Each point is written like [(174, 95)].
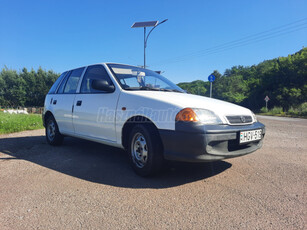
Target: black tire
[(145, 150), (53, 135)]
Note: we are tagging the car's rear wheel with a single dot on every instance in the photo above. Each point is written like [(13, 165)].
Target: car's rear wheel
[(53, 135), (145, 150)]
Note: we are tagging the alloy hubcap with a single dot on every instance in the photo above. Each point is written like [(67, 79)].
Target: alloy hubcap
[(139, 150)]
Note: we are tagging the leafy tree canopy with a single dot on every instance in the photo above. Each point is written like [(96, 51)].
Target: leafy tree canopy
[(25, 88), (283, 79)]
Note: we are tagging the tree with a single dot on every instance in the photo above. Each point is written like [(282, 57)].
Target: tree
[(283, 79), (14, 91), (25, 88)]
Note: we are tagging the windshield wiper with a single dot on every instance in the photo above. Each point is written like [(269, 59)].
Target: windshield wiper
[(153, 89), (148, 88), (142, 88), (171, 90)]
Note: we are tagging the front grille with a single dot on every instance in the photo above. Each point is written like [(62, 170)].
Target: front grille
[(236, 120)]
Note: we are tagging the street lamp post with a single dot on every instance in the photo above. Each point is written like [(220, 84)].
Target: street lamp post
[(153, 24)]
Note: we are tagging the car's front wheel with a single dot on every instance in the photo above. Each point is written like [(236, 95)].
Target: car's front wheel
[(145, 150), (53, 135)]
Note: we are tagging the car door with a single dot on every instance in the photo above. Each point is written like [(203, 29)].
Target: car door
[(94, 110), (64, 99)]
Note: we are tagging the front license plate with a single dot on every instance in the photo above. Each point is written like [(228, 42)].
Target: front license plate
[(251, 135)]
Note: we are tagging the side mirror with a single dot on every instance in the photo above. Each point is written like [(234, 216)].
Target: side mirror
[(102, 85)]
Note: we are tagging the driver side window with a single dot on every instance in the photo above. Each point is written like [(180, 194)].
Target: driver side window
[(94, 72)]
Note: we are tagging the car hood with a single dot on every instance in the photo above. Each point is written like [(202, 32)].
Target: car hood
[(184, 100)]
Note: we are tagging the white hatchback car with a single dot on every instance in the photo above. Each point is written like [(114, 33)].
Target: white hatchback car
[(152, 118)]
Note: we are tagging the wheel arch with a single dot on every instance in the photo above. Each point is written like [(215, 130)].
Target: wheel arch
[(136, 120), (46, 116)]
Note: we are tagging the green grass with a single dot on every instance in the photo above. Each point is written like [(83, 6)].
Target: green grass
[(10, 123), (299, 111)]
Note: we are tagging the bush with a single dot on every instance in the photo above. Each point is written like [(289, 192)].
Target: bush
[(276, 110), (293, 111), (301, 110), (263, 110)]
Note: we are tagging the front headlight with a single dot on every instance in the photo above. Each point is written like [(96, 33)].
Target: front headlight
[(203, 116), (254, 117), (207, 117)]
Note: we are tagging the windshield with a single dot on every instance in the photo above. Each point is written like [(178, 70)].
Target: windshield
[(135, 78)]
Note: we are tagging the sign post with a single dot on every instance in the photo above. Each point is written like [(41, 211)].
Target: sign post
[(211, 78), (266, 102)]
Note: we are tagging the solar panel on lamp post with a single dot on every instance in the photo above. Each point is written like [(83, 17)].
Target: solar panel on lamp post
[(153, 24)]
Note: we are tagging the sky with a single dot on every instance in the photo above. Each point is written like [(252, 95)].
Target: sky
[(199, 37)]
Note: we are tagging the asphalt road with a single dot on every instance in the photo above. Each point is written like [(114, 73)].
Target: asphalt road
[(84, 185)]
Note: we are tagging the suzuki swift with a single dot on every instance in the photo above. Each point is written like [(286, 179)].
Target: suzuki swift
[(150, 117)]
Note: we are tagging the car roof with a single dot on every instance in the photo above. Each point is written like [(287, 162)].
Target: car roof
[(101, 63)]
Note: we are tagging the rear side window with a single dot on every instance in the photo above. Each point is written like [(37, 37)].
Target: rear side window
[(94, 72), (61, 88), (73, 80), (56, 83)]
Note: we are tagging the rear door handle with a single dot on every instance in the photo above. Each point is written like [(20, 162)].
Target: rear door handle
[(79, 103), (54, 102)]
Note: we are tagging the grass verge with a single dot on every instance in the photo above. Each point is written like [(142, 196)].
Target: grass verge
[(282, 115), (10, 123), (300, 111)]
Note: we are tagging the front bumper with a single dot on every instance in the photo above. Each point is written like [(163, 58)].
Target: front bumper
[(201, 143)]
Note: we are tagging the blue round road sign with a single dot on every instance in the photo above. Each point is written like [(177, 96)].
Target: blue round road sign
[(211, 78)]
